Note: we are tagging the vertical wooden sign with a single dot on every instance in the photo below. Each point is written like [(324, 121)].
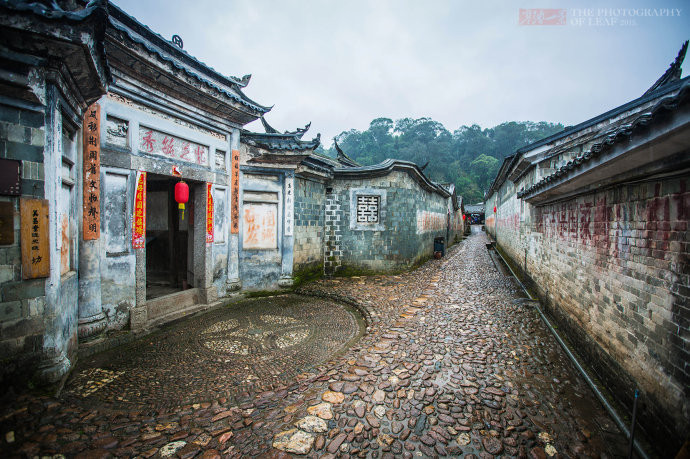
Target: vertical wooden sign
[(235, 192), (139, 220), (289, 205), (34, 238), (92, 173), (209, 214)]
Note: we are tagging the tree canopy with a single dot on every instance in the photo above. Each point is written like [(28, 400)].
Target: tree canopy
[(469, 157)]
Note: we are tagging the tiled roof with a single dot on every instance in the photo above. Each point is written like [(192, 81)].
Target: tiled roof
[(274, 140), (612, 138), (53, 11), (388, 166), (180, 59), (279, 141)]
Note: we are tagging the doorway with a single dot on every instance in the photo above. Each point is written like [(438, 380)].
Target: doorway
[(169, 239)]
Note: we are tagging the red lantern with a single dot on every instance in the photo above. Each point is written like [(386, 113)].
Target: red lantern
[(463, 216), (494, 209), (181, 195)]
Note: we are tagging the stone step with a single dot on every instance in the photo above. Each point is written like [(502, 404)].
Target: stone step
[(169, 304)]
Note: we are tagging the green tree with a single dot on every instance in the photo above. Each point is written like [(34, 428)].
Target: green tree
[(483, 169), (469, 156)]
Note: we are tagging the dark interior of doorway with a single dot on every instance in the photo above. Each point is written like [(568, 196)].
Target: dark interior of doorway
[(167, 238)]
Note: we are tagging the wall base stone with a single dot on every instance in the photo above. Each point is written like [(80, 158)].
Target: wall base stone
[(54, 365), (286, 282), (233, 285), (138, 318), (91, 327)]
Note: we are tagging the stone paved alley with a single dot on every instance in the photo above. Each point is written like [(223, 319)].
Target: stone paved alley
[(454, 363)]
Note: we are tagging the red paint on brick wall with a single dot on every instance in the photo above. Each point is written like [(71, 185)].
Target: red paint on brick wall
[(585, 219)]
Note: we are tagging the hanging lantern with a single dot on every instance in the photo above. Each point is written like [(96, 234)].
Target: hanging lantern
[(181, 195), (463, 216), (494, 209)]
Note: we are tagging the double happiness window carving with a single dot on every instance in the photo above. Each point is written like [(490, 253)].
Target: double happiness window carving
[(368, 209)]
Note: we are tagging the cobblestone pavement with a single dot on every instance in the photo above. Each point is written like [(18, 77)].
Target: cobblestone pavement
[(454, 363), (247, 347)]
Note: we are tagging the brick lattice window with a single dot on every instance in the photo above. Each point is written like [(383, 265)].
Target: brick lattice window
[(368, 209)]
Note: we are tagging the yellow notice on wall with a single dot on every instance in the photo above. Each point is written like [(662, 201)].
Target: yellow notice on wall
[(34, 238)]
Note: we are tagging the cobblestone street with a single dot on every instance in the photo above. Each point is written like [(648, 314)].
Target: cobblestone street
[(453, 363)]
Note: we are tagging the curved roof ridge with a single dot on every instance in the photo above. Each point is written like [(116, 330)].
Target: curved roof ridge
[(674, 71), (389, 165), (277, 141), (609, 139), (182, 60), (172, 48), (239, 97)]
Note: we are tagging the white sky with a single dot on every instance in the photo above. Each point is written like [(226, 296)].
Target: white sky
[(342, 63)]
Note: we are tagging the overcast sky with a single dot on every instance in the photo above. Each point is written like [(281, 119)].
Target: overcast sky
[(342, 63)]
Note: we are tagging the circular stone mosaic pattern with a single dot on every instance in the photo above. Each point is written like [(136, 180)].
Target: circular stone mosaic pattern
[(254, 345)]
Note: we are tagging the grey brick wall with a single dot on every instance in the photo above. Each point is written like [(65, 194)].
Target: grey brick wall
[(22, 138), (333, 234), (310, 199), (400, 244), (613, 268)]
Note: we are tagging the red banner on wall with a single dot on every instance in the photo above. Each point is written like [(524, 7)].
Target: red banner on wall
[(139, 220), (235, 192), (209, 214), (91, 218)]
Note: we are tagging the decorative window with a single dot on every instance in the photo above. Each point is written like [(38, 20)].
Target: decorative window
[(368, 209)]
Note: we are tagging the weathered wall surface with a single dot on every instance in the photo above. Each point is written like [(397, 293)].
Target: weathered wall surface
[(261, 229), (490, 215), (67, 312), (457, 225), (409, 220), (221, 229), (310, 201), (22, 137), (613, 269), (117, 259), (118, 290)]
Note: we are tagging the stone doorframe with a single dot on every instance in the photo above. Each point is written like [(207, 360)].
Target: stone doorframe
[(202, 262)]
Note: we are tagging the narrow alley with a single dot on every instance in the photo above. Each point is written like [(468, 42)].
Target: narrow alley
[(454, 362)]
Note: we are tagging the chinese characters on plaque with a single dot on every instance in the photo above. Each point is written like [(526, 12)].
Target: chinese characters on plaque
[(169, 146), (260, 230), (139, 220), (34, 238), (289, 205), (209, 214), (92, 173), (235, 192)]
